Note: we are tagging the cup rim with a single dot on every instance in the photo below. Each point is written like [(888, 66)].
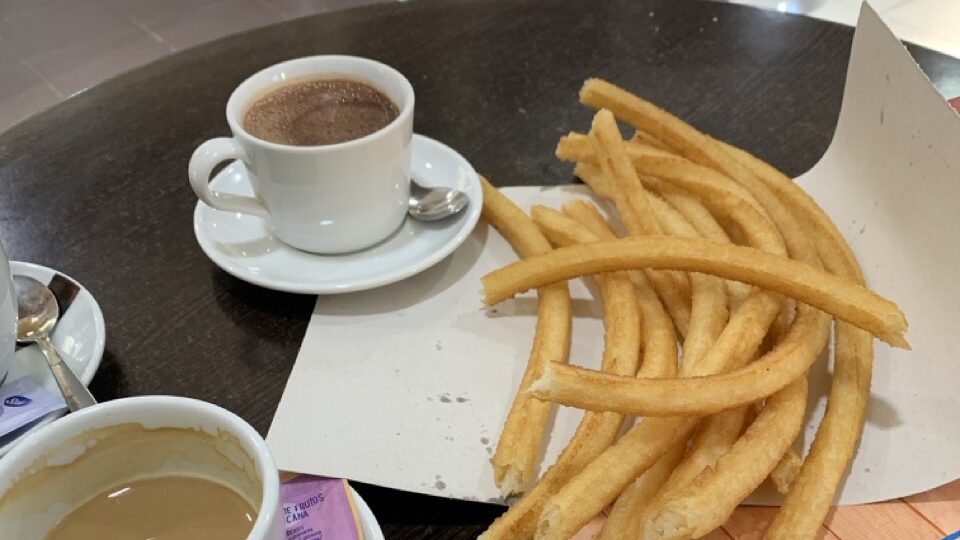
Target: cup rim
[(26, 452), (406, 88)]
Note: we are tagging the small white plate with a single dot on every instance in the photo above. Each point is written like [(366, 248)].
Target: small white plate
[(368, 522), (80, 336), (244, 246)]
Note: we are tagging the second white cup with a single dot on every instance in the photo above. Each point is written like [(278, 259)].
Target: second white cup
[(63, 465), (333, 198)]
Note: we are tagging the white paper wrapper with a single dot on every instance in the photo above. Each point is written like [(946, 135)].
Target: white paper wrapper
[(407, 386)]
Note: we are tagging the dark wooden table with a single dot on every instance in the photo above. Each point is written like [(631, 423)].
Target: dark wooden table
[(97, 185)]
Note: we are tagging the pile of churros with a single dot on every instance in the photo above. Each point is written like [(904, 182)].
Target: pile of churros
[(720, 282)]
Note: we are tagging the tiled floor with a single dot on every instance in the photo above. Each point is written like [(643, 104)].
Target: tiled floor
[(50, 49)]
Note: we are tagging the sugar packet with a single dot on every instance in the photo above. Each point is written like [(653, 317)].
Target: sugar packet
[(319, 508), (22, 401)]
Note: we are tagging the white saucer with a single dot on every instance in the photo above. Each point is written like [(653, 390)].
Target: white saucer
[(368, 522), (80, 336), (243, 245)]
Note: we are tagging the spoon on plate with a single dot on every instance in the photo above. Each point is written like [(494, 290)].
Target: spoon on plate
[(434, 203), (37, 316)]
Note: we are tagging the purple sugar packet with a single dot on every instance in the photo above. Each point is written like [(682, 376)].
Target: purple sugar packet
[(23, 401), (319, 508)]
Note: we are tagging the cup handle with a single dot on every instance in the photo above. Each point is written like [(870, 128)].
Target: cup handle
[(207, 156)]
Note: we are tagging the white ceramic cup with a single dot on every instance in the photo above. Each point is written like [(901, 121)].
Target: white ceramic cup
[(8, 316), (333, 198), (61, 466)]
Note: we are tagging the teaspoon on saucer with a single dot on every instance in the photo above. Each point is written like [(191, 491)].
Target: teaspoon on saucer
[(38, 313), (435, 203)]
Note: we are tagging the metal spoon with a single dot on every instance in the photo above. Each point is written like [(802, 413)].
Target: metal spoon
[(431, 204), (38, 314)]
